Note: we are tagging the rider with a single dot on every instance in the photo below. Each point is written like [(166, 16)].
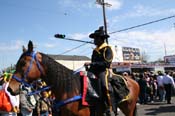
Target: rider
[(100, 63)]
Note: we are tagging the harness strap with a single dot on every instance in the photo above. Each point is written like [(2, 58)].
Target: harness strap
[(38, 64), (39, 90), (30, 85), (21, 81), (58, 104), (33, 55)]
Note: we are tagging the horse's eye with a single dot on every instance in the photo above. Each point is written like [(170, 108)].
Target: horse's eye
[(22, 63)]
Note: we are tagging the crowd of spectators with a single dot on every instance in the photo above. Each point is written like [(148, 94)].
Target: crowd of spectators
[(155, 86), (39, 104)]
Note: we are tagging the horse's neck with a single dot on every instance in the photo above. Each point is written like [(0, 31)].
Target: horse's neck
[(55, 67), (60, 78)]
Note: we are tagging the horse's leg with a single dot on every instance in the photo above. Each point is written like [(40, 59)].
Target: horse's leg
[(129, 107), (125, 107)]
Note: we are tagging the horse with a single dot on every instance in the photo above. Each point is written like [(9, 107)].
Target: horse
[(65, 85)]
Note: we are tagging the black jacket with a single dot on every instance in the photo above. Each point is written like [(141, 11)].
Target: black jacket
[(101, 59)]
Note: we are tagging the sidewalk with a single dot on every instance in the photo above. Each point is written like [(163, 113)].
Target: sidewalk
[(155, 109)]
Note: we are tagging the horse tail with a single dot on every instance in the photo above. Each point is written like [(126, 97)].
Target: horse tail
[(135, 111)]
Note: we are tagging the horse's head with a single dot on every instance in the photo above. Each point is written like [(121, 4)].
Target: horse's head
[(28, 68)]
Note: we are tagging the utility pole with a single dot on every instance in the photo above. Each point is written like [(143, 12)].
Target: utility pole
[(165, 49), (102, 2)]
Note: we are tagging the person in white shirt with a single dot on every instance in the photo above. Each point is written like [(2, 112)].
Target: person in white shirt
[(168, 84), (161, 91)]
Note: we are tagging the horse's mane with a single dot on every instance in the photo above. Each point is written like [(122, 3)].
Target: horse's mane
[(59, 77)]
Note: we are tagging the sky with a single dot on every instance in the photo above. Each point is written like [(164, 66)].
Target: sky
[(40, 20)]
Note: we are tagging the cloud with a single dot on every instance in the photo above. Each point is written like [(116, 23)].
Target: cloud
[(11, 46), (79, 36), (50, 45), (75, 4), (150, 42), (116, 4), (79, 5), (112, 4), (141, 11)]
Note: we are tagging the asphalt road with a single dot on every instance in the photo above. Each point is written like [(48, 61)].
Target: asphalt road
[(156, 109)]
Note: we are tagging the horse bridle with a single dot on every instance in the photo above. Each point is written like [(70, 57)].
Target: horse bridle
[(34, 58)]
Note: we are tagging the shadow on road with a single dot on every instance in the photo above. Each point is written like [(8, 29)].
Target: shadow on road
[(159, 110)]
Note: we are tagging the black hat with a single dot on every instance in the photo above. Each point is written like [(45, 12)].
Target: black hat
[(99, 33)]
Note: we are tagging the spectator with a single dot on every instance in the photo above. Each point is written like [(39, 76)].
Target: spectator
[(27, 103), (14, 99), (143, 86), (160, 86), (152, 88), (44, 105), (155, 87), (168, 84)]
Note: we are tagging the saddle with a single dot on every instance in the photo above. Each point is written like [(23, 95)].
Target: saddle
[(117, 86), (89, 88), (120, 89)]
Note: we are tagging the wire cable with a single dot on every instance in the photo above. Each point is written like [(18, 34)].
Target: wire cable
[(73, 49), (129, 28), (155, 21)]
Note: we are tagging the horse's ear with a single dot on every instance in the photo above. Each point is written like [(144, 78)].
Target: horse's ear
[(30, 46), (24, 49)]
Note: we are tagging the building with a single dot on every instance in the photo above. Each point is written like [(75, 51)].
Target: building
[(72, 62), (169, 59)]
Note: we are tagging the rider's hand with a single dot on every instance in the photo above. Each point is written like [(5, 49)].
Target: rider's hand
[(87, 65)]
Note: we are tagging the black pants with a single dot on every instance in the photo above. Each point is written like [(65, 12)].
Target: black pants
[(103, 84), (168, 92)]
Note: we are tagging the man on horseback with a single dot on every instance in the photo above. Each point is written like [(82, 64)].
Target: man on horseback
[(100, 63)]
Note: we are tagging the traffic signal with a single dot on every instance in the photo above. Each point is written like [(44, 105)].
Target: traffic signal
[(60, 35)]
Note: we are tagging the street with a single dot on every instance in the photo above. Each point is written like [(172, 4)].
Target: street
[(155, 109)]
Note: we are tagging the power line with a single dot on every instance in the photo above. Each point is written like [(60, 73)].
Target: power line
[(73, 48), (155, 21), (86, 42)]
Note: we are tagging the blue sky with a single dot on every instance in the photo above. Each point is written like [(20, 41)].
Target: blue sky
[(39, 20)]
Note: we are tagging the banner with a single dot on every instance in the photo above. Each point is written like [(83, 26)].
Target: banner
[(131, 54)]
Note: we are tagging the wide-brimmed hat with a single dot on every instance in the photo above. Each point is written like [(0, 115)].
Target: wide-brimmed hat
[(99, 33)]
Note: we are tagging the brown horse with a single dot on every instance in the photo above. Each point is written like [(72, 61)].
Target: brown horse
[(64, 84)]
